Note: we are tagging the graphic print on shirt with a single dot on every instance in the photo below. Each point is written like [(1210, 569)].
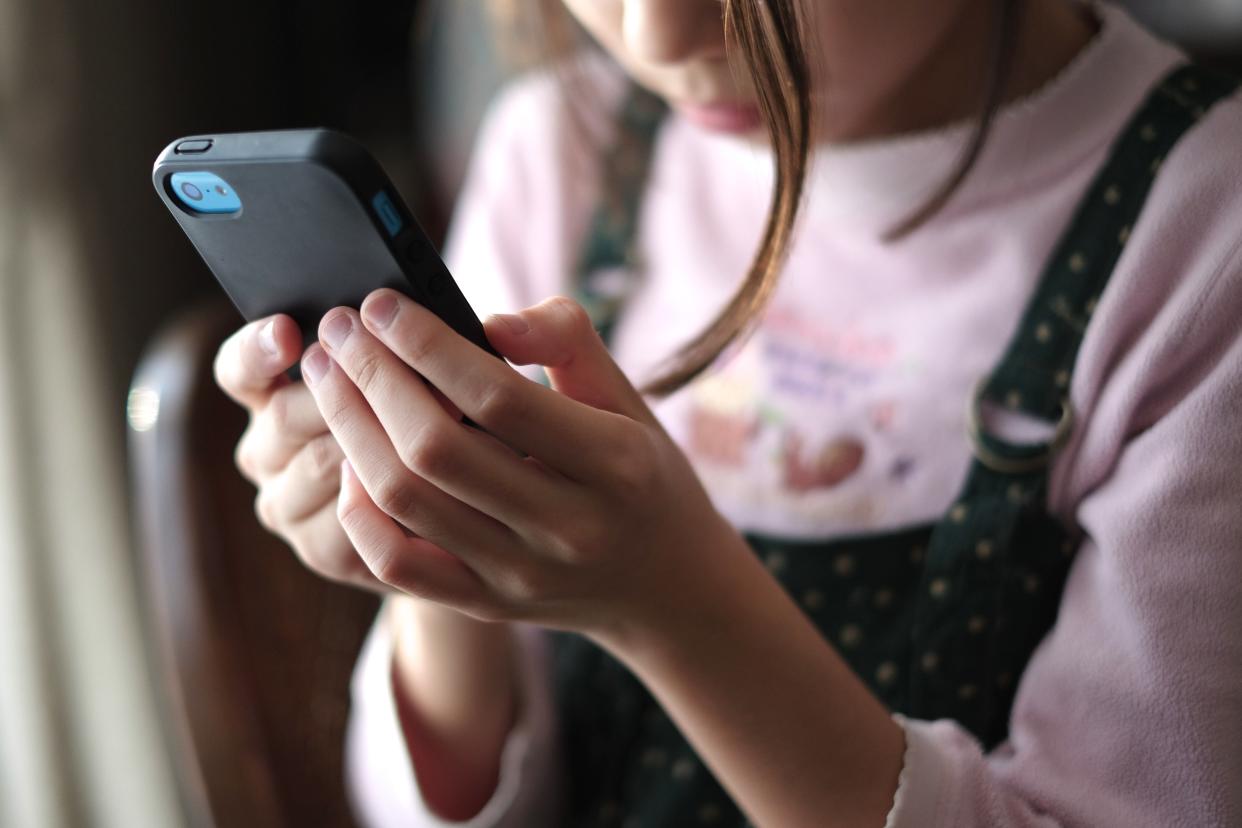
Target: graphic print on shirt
[(795, 415), (832, 464)]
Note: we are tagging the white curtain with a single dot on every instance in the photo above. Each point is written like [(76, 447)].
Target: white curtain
[(79, 737)]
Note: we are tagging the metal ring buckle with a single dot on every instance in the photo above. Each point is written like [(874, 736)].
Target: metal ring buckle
[(1014, 465)]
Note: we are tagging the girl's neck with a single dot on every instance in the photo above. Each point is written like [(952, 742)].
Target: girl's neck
[(949, 85)]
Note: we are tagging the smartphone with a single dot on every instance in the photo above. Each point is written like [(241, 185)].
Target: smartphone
[(302, 221)]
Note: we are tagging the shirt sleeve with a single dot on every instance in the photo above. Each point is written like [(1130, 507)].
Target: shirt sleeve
[(1130, 711), (380, 775)]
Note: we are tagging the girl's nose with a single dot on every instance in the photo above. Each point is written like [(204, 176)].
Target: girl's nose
[(674, 31)]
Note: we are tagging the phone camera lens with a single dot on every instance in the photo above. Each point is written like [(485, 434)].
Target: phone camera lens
[(204, 193)]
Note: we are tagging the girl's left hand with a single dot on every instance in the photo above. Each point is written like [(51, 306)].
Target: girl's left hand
[(602, 524)]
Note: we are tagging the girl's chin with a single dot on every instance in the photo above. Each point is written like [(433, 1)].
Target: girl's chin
[(729, 118)]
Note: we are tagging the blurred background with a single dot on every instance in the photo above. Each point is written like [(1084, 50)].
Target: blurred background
[(136, 661)]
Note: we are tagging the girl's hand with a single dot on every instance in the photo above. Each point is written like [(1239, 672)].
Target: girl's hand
[(287, 450), (600, 524)]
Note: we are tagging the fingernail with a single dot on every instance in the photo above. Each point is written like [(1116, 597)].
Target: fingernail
[(336, 330), (315, 365), (381, 310), (514, 323), (267, 338), (347, 471)]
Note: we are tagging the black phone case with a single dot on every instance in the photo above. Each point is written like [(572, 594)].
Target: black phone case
[(307, 237)]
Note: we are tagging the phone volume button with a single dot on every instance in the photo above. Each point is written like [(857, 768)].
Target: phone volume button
[(437, 281), (430, 269)]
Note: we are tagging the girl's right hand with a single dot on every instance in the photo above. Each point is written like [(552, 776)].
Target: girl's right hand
[(287, 450)]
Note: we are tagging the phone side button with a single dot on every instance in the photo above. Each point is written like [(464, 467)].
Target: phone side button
[(429, 267), (437, 281), (414, 254)]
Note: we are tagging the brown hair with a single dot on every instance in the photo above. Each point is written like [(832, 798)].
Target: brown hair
[(770, 37)]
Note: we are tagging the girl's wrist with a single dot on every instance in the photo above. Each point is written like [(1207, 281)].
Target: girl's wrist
[(405, 613), (451, 663), (424, 631), (454, 679), (682, 608)]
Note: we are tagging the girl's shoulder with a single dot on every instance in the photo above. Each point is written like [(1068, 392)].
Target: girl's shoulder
[(531, 185), (1203, 172), (1191, 227), (1160, 365), (550, 123), (1166, 330)]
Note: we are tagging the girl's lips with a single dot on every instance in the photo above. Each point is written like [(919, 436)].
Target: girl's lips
[(737, 118)]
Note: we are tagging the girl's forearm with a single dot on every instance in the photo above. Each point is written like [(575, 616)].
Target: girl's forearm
[(779, 717), (455, 687)]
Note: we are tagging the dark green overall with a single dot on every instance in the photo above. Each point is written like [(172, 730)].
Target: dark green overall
[(939, 620)]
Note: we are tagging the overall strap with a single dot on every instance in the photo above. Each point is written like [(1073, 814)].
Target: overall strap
[(996, 564), (609, 268), (1033, 375)]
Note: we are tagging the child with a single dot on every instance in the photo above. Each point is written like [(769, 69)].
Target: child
[(951, 538)]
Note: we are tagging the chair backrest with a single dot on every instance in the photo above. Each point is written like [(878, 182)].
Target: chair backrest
[(254, 652)]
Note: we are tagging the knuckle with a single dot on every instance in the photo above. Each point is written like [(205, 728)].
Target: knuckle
[(575, 315), (224, 367), (334, 562), (265, 509), (429, 451), (576, 540), (394, 496), (633, 464), (347, 513), (336, 411), (385, 564), (499, 402), (525, 583), (244, 455), (323, 456), (363, 557), (277, 412), (367, 371), (417, 343)]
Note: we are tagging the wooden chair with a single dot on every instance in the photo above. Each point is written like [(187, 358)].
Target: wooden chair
[(254, 652)]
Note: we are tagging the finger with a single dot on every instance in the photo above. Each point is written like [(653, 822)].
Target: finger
[(558, 334), (481, 473), (251, 362), (324, 548), (413, 565), (524, 414), (281, 428), (412, 501), (309, 482)]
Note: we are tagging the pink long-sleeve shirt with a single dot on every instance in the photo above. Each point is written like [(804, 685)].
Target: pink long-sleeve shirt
[(845, 412)]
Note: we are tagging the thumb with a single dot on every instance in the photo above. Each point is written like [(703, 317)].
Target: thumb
[(558, 334)]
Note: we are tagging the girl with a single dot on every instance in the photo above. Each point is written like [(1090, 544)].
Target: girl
[(938, 529)]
